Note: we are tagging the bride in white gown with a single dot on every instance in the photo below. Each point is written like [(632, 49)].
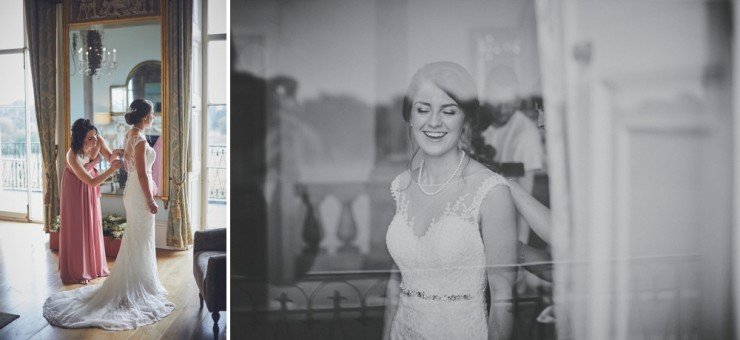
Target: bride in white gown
[(132, 295), (454, 231)]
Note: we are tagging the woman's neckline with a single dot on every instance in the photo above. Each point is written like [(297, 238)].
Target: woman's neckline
[(459, 178)]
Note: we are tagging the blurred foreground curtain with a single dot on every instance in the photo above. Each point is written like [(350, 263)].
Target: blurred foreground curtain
[(41, 31), (550, 36), (179, 36)]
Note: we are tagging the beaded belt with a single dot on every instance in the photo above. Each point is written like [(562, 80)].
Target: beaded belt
[(416, 293)]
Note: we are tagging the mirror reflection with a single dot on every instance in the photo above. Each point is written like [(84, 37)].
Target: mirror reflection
[(110, 66)]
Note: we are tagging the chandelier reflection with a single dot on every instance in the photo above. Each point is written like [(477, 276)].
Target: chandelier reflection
[(93, 58)]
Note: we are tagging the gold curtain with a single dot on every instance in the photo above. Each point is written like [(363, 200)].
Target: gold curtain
[(41, 31), (179, 37)]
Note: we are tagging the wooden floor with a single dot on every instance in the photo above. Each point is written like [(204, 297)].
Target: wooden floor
[(28, 275)]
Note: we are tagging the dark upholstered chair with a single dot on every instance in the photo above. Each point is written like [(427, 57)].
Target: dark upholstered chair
[(209, 268)]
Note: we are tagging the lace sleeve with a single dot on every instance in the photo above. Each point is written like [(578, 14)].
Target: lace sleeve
[(397, 186), (129, 146), (394, 188), (485, 187)]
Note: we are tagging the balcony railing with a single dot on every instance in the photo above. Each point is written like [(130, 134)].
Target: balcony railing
[(663, 298), (216, 166), (13, 165), (346, 305), (19, 173)]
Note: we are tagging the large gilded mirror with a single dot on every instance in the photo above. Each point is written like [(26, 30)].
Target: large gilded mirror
[(110, 62)]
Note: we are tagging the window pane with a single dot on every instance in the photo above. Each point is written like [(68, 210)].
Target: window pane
[(13, 175), (217, 72), (216, 16), (195, 81), (218, 153), (11, 15), (11, 67), (35, 161)]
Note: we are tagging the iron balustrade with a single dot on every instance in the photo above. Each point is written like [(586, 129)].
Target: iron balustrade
[(14, 166), (663, 296), (216, 167), (345, 305)]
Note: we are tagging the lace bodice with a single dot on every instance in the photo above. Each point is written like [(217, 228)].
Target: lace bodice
[(128, 151), (448, 257), (436, 243)]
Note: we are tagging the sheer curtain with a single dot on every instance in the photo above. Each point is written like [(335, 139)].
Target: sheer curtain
[(551, 46)]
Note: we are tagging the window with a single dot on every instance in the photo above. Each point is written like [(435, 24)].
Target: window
[(216, 112), (20, 151)]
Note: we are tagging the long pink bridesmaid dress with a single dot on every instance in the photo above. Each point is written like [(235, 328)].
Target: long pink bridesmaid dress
[(81, 249)]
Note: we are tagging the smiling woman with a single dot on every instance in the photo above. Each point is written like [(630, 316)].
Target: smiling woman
[(327, 99), (454, 230)]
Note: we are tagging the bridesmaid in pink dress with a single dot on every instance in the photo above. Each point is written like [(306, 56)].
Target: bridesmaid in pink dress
[(81, 251)]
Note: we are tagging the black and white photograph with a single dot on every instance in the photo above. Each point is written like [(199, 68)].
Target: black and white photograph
[(483, 169)]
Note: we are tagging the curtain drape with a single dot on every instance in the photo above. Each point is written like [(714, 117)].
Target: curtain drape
[(550, 37), (179, 38), (41, 32)]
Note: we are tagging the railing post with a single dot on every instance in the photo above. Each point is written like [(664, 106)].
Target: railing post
[(283, 317), (336, 321), (347, 228)]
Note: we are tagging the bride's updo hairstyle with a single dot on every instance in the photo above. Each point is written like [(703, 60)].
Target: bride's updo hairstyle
[(80, 128), (138, 109), (456, 82)]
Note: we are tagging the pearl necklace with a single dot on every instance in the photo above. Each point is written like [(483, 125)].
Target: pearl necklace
[(421, 168)]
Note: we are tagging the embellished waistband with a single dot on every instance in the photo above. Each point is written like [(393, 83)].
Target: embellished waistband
[(435, 297)]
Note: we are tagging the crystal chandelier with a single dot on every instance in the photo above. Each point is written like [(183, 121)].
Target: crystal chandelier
[(94, 58)]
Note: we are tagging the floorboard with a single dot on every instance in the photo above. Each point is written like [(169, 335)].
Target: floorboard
[(28, 275)]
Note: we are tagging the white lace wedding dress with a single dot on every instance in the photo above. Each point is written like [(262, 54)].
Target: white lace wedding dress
[(132, 295), (443, 270)]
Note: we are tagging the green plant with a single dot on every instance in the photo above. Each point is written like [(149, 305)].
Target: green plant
[(55, 225), (114, 226)]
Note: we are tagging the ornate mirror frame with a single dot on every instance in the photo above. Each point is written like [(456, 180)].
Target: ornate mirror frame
[(141, 13)]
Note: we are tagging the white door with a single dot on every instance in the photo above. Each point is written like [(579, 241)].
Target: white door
[(644, 116)]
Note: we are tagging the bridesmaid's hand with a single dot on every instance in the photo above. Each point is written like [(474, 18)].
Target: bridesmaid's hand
[(118, 152), (153, 208), (116, 164)]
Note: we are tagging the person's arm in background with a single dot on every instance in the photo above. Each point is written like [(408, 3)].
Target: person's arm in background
[(536, 261), (532, 211), (529, 151)]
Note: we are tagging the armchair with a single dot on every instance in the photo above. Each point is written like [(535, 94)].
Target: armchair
[(209, 269)]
